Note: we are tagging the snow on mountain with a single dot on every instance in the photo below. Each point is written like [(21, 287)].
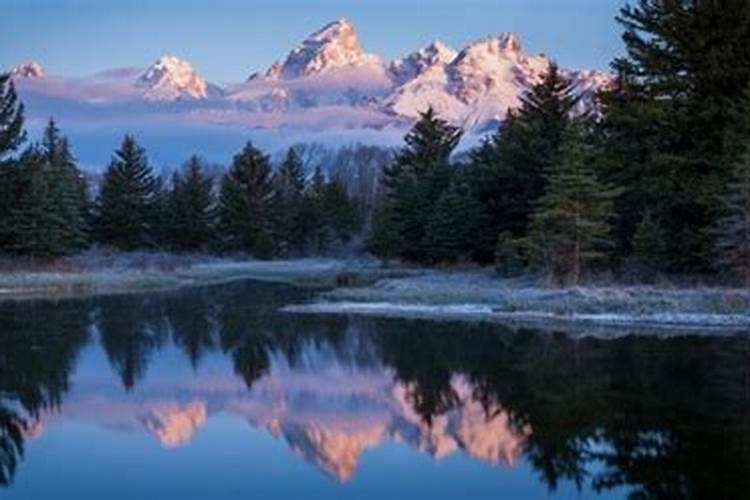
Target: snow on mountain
[(171, 78), (428, 60), (328, 82), (329, 68), (31, 70), (334, 46), (477, 86)]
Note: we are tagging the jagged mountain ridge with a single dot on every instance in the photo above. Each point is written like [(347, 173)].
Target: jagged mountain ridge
[(330, 74)]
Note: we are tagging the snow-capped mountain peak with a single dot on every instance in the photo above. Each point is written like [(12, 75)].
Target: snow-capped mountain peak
[(171, 78), (335, 45), (437, 54), (31, 70)]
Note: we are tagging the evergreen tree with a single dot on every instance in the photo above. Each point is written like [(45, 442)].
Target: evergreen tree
[(419, 174), (732, 226), (512, 164), (340, 215), (47, 219), (649, 246), (290, 191), (68, 190), (12, 135), (455, 224), (314, 218), (246, 204), (571, 227), (666, 118), (733, 244), (35, 226), (191, 207), (127, 204), (508, 254)]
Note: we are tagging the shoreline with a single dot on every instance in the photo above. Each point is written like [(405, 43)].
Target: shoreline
[(482, 296), (88, 282), (363, 287), (660, 323)]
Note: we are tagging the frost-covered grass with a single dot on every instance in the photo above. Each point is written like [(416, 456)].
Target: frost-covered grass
[(98, 272), (482, 295)]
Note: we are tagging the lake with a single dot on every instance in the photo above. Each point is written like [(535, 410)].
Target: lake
[(211, 393)]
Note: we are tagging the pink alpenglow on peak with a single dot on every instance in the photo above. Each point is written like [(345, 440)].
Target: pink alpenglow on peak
[(334, 46), (171, 78), (326, 85)]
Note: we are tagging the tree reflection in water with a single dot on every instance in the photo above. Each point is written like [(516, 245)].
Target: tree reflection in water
[(663, 417)]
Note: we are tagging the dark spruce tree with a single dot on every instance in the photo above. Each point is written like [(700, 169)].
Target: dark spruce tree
[(12, 135), (455, 225), (128, 199), (571, 226), (290, 227), (732, 227), (48, 217), (339, 213), (512, 165), (666, 118), (191, 208), (69, 187), (246, 204), (419, 174), (35, 226)]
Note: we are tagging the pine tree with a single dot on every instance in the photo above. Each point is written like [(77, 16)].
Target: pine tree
[(666, 118), (191, 207), (414, 182), (732, 225), (12, 135), (314, 218), (35, 226), (68, 190), (47, 219), (246, 204), (649, 246), (340, 214), (571, 227), (456, 221), (512, 164), (508, 254), (128, 199), (290, 190), (733, 244)]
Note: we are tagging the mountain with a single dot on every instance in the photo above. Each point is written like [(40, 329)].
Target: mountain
[(326, 86), (328, 69), (473, 88), (171, 78), (337, 45)]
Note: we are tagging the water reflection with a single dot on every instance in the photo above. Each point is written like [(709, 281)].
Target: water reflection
[(664, 418)]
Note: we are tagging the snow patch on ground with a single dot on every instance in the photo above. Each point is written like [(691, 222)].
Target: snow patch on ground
[(487, 313)]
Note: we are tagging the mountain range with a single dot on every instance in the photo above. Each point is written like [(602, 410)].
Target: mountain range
[(328, 82)]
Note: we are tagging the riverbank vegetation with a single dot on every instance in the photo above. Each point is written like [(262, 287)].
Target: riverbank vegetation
[(653, 179)]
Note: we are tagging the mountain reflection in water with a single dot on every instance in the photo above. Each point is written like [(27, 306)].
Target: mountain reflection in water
[(641, 416)]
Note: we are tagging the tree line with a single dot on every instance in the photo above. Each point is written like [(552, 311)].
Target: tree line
[(655, 177), (47, 210)]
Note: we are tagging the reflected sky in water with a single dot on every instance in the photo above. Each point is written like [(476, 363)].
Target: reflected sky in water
[(211, 393)]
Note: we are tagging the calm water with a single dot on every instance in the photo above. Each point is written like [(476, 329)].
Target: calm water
[(211, 394)]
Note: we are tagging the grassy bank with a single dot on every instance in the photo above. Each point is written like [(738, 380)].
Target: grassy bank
[(481, 295), (96, 273)]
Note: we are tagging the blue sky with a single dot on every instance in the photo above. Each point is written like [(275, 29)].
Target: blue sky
[(229, 39)]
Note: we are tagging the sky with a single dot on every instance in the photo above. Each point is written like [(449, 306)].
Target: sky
[(229, 39)]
